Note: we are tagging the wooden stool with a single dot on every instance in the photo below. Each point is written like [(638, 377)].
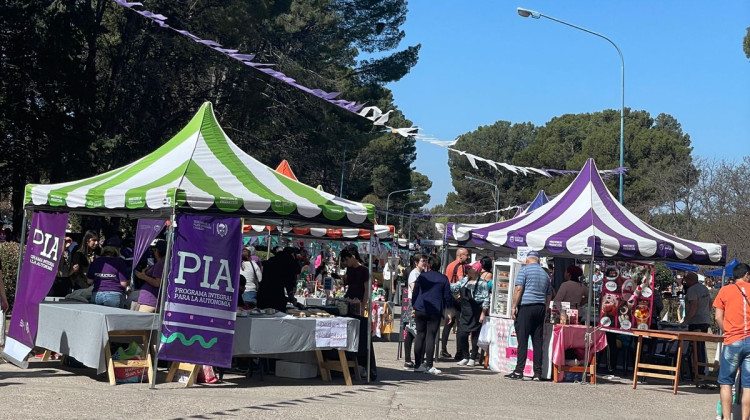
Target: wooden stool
[(558, 371)]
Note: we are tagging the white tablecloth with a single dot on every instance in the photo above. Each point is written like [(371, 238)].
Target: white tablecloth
[(81, 330)]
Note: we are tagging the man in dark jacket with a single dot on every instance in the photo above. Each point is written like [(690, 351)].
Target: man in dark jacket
[(430, 297), (279, 280)]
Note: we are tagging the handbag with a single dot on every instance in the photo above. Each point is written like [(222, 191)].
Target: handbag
[(485, 336)]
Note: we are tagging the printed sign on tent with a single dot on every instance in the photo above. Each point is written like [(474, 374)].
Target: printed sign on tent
[(201, 300), (44, 247)]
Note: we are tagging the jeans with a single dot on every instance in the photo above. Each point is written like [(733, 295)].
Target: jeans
[(427, 328), (112, 299), (734, 356), (250, 297), (530, 322)]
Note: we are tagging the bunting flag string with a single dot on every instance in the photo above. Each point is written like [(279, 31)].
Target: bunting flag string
[(428, 215), (526, 170), (372, 113)]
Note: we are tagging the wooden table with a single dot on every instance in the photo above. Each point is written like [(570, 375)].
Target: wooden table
[(673, 372)]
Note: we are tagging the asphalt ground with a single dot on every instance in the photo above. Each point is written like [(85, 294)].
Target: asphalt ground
[(49, 390)]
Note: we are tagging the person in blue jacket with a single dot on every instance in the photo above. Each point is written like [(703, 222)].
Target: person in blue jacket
[(430, 297)]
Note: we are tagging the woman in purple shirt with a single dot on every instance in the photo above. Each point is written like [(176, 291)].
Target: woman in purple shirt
[(109, 275), (148, 296)]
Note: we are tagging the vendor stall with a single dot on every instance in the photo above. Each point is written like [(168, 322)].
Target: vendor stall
[(83, 331), (199, 172), (586, 222)]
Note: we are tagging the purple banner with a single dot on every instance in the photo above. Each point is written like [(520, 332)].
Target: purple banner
[(44, 248), (147, 231), (201, 300)]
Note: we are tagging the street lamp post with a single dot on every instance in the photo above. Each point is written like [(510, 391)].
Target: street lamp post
[(536, 15), (403, 211), (389, 198), (497, 194)]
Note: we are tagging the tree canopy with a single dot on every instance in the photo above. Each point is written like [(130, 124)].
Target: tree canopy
[(652, 146), (90, 86)]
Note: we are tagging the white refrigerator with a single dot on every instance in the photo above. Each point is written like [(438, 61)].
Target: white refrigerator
[(503, 278)]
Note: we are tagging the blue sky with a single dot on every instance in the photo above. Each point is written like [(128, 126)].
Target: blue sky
[(480, 62)]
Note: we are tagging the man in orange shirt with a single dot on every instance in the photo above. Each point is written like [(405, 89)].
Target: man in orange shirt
[(454, 272), (733, 317)]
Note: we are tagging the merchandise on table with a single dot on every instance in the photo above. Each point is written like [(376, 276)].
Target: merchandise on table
[(627, 295)]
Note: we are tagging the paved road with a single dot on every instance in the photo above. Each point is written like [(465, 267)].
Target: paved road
[(50, 391)]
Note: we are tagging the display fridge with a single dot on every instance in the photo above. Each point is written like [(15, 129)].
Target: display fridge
[(503, 278)]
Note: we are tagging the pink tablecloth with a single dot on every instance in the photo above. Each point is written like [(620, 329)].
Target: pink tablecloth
[(574, 337)]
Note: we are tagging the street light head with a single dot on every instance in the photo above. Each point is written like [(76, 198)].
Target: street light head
[(526, 13)]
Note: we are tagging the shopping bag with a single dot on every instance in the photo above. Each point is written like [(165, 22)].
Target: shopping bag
[(484, 336), (206, 375), (127, 374)]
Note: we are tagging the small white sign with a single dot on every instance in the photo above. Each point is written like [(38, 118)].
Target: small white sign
[(522, 251), (330, 333)]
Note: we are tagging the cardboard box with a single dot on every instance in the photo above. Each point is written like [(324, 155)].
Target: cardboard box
[(295, 370)]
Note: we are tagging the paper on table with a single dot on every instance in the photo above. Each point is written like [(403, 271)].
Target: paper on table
[(330, 332)]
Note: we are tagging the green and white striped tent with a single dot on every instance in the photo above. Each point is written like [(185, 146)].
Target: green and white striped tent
[(200, 170)]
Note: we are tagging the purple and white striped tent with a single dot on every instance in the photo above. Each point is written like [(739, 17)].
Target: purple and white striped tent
[(587, 216)]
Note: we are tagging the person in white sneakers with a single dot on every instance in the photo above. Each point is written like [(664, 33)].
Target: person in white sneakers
[(430, 297), (475, 304)]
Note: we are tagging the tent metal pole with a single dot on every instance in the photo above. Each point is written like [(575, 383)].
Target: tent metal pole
[(368, 296), (587, 341), (163, 293)]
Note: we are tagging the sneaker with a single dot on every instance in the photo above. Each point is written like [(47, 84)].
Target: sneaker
[(445, 354), (514, 375), (433, 371), (409, 365), (463, 362), (536, 378), (420, 369), (471, 362)]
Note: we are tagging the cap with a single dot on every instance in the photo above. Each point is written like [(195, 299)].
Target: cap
[(532, 254), (476, 265), (691, 276), (161, 246), (114, 241)]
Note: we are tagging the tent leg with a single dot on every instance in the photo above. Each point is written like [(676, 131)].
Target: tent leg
[(588, 324), (162, 295)]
